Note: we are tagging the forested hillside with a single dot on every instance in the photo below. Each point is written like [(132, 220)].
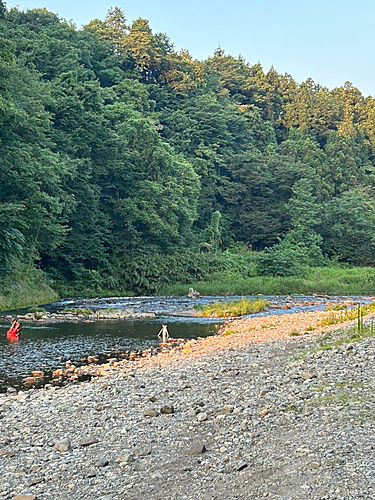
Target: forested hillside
[(145, 167)]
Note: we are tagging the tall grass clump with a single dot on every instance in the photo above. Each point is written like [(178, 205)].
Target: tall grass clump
[(336, 317), (235, 308)]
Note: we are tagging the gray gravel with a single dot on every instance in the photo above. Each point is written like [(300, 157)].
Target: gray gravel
[(265, 421)]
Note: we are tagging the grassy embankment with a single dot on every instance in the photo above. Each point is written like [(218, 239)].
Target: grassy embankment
[(326, 280), (41, 294), (36, 291)]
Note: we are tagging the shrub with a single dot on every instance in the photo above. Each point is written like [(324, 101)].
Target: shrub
[(278, 261), (36, 309), (235, 308)]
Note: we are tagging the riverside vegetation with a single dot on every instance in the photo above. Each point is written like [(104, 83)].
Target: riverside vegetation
[(234, 308), (149, 171)]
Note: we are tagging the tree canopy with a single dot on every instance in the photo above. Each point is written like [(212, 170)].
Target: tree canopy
[(126, 148)]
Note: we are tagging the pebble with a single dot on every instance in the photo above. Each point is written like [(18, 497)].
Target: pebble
[(227, 409), (102, 462), (241, 467), (149, 412), (124, 459), (201, 417), (167, 410), (87, 441), (24, 497), (142, 451), (34, 480), (197, 449), (63, 445)]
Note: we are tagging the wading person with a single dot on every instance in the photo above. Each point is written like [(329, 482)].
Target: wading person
[(15, 329)]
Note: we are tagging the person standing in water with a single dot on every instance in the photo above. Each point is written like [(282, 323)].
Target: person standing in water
[(15, 329)]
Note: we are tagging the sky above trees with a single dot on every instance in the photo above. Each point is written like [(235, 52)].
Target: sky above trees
[(330, 41)]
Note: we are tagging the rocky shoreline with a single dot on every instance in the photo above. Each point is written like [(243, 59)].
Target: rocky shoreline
[(250, 413), (80, 315), (76, 314)]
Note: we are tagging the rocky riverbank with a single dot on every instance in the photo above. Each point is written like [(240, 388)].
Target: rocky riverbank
[(247, 414), (168, 307), (79, 314)]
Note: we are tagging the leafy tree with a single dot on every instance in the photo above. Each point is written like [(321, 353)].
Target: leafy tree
[(130, 152), (349, 226), (2, 9)]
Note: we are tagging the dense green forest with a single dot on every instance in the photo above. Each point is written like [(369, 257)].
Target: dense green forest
[(145, 167)]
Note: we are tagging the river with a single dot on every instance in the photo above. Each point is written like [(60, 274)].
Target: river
[(47, 346)]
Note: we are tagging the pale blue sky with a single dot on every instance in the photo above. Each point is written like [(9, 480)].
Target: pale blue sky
[(331, 41)]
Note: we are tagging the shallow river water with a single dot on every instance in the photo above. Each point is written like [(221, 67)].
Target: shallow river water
[(46, 346)]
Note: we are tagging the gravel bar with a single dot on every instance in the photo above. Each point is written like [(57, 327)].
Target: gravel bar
[(250, 413)]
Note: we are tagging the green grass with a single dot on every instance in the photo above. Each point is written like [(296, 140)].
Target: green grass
[(332, 340), (334, 318), (235, 308), (229, 332), (294, 333), (77, 311), (342, 393), (327, 280), (37, 310), (321, 280), (324, 280), (41, 294), (336, 307)]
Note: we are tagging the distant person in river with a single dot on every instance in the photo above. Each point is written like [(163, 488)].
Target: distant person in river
[(14, 332)]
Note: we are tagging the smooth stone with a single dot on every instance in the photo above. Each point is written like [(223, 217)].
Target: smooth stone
[(197, 449), (7, 453), (34, 480), (24, 497), (149, 412), (167, 410), (63, 445), (122, 459), (102, 462), (88, 441), (201, 417), (142, 452), (227, 409), (90, 474)]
